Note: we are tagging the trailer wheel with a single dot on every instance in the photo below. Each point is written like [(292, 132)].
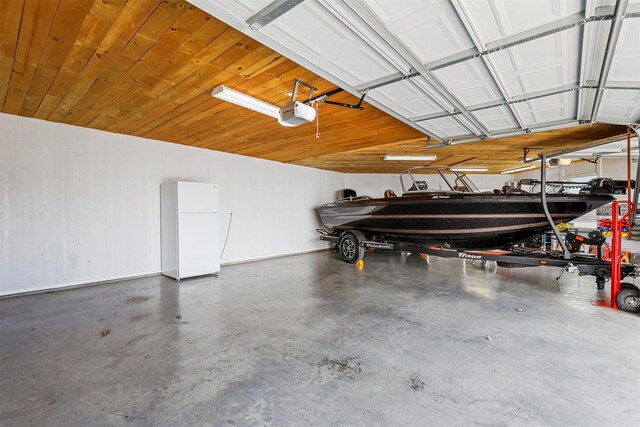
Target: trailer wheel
[(629, 300), (349, 248)]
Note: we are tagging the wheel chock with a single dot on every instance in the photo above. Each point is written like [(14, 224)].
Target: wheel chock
[(360, 264)]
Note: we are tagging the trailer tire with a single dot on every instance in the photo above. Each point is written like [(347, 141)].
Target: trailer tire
[(349, 248), (629, 300)]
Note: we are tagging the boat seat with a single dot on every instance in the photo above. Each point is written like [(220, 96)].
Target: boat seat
[(510, 189), (347, 193), (389, 194), (419, 186)]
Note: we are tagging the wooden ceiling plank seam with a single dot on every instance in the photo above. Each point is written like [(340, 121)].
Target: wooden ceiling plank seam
[(132, 15), (268, 81), (211, 87), (208, 86), (34, 28), (201, 38), (6, 65), (160, 51), (172, 119), (121, 33), (162, 20), (83, 112), (70, 84), (156, 26), (10, 26), (212, 51), (103, 56), (9, 32), (100, 121), (166, 103), (198, 118), (193, 18), (45, 72), (70, 16), (41, 82), (178, 115), (138, 101), (258, 61), (235, 53), (106, 100)]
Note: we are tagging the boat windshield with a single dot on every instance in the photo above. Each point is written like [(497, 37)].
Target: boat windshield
[(428, 179)]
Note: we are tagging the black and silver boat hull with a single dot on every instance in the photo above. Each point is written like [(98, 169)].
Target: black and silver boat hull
[(460, 221)]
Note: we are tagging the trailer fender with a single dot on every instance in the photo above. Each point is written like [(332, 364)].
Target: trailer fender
[(627, 285), (359, 235)]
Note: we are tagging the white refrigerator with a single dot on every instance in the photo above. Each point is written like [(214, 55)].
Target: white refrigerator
[(190, 234)]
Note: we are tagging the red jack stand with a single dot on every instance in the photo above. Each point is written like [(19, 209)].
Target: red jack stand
[(616, 252)]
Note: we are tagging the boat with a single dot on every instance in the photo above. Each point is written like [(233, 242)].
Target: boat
[(457, 215)]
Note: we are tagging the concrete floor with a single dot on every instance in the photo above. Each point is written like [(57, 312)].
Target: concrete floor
[(309, 340)]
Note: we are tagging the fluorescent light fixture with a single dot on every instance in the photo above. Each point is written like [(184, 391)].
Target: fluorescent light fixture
[(401, 158), (246, 101), (520, 169), (469, 169)]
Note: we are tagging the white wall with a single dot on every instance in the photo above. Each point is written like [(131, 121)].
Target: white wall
[(79, 205), (617, 168), (374, 185)]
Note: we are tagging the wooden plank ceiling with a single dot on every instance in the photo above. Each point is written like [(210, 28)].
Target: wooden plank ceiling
[(147, 67)]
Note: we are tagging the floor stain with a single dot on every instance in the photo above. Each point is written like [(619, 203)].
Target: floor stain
[(350, 367), (416, 384)]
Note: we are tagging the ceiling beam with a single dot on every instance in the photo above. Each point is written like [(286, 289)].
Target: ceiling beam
[(614, 33), (271, 12)]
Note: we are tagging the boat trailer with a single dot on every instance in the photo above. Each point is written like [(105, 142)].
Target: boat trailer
[(352, 246)]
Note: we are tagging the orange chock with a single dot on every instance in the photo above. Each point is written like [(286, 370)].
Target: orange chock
[(626, 255), (360, 264)]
